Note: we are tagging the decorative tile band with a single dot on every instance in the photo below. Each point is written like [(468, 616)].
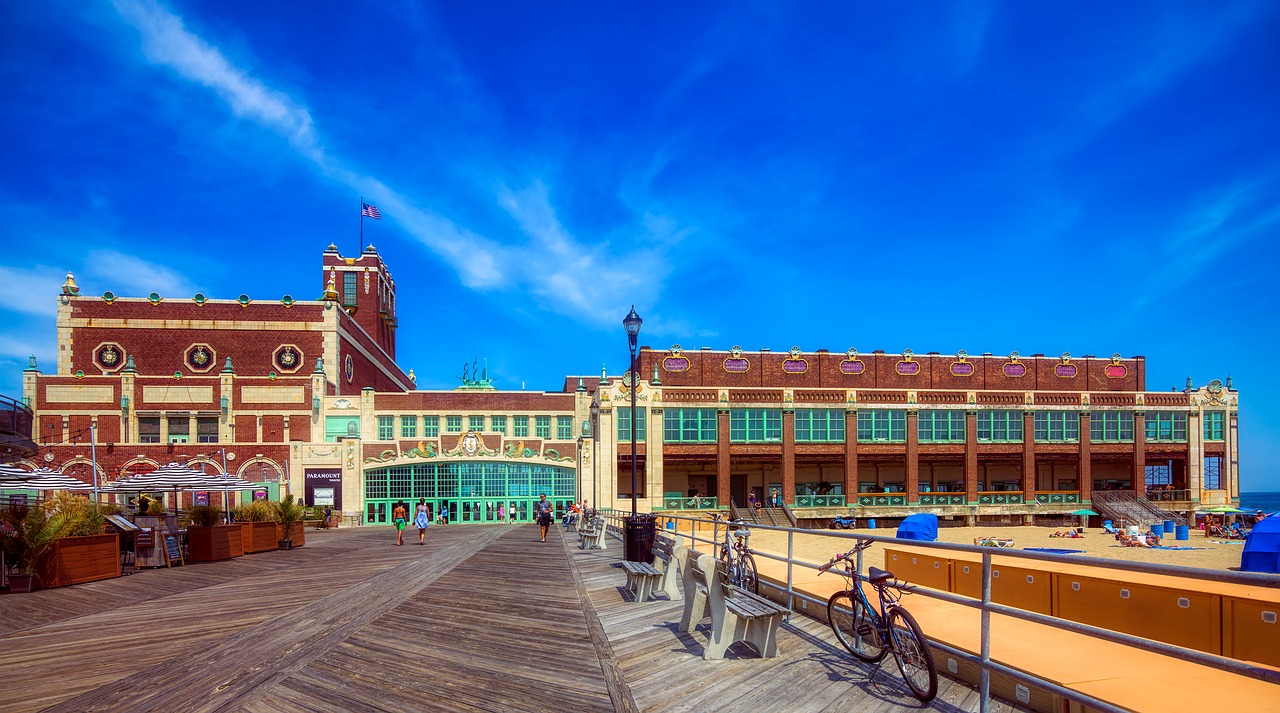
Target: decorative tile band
[(1116, 371), (961, 368), (908, 368), (1015, 369), (1065, 371), (795, 366), (675, 364), (736, 366)]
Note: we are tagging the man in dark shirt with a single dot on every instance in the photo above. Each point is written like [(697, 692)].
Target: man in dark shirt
[(542, 513)]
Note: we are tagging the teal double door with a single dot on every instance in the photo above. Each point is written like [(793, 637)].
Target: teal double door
[(463, 510)]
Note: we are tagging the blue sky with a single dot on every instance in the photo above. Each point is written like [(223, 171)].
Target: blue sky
[(988, 177)]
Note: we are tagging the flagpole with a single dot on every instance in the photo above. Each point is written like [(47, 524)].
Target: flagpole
[(361, 245)]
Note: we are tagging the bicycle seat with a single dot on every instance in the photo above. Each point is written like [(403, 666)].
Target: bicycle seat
[(876, 575)]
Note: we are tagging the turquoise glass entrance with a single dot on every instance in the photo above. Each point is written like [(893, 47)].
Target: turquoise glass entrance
[(472, 490)]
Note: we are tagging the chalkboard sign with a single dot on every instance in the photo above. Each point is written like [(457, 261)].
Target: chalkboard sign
[(172, 551)]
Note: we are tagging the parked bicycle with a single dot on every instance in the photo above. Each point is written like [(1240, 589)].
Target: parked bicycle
[(736, 555), (869, 634)]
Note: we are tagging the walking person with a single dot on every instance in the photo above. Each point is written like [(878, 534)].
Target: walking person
[(399, 518), (773, 499), (542, 513), (502, 514), (444, 513), (422, 520), (511, 513)]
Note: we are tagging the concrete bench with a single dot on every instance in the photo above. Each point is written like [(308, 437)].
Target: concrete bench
[(640, 579), (736, 614), (593, 538), (668, 553)]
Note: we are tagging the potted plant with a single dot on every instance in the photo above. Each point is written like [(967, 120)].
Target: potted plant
[(257, 521), (287, 513), (208, 540), (28, 535), (83, 553)]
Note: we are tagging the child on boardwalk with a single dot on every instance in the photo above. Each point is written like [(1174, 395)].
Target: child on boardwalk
[(422, 520), (398, 517)]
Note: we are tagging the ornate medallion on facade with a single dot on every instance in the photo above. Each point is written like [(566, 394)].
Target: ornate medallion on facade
[(962, 366), (1013, 367), (795, 365), (287, 358), (735, 364), (200, 358), (851, 364), (1064, 368), (109, 356), (1116, 370), (908, 366), (349, 369), (674, 360)]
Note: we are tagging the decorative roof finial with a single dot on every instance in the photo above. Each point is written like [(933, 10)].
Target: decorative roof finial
[(656, 381), (319, 366), (581, 386), (31, 363), (69, 287), (227, 368)]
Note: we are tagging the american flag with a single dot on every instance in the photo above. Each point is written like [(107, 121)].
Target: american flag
[(370, 211)]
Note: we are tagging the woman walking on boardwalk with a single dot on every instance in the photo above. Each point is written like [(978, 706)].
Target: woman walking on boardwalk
[(398, 517), (422, 520)]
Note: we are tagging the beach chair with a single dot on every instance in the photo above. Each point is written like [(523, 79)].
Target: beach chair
[(1106, 525)]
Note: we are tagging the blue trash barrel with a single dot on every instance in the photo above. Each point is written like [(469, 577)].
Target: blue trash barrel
[(1157, 530), (671, 525), (1168, 526), (1182, 532), (871, 523)]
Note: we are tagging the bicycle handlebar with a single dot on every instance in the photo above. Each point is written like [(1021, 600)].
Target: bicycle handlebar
[(844, 557)]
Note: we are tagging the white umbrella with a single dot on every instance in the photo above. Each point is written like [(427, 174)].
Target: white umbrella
[(173, 477), (47, 479), (12, 476)]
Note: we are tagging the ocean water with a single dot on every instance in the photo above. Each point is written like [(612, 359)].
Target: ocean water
[(1266, 502)]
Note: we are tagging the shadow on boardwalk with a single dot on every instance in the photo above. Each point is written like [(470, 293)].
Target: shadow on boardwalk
[(482, 618)]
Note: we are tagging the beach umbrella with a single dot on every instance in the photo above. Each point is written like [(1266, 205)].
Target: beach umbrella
[(12, 476), (1083, 513), (48, 479), (173, 477)]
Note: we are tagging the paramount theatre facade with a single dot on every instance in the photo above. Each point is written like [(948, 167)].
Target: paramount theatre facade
[(306, 396)]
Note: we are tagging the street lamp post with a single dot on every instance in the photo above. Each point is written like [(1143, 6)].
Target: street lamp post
[(595, 446), (638, 532)]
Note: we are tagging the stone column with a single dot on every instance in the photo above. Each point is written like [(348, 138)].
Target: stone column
[(788, 457), (1084, 469), (971, 456), (1139, 471), (850, 457), (1029, 457), (654, 473), (912, 484), (722, 457)]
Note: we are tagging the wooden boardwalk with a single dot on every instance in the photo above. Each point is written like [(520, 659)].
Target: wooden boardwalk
[(482, 618)]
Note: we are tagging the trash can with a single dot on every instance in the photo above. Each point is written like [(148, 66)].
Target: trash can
[(1181, 532), (638, 532), (1157, 529), (1168, 526), (871, 523)]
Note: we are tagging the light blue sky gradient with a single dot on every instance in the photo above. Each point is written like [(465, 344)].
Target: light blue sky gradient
[(990, 177)]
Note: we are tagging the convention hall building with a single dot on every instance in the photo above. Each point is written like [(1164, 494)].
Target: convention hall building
[(307, 396)]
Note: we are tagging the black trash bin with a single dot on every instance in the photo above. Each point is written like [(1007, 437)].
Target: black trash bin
[(638, 532)]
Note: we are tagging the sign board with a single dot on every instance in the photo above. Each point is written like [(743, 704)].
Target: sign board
[(123, 523), (322, 496), (201, 497), (172, 551), (145, 538), (315, 479), (259, 494), (18, 500)]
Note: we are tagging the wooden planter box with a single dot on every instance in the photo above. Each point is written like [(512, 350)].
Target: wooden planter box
[(210, 544), (298, 535), (73, 560), (259, 537)]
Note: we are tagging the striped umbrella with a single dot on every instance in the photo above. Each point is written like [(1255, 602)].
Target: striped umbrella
[(173, 477), (48, 479), (13, 476)]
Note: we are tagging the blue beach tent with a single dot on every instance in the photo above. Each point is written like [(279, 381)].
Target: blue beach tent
[(921, 526), (1262, 549)]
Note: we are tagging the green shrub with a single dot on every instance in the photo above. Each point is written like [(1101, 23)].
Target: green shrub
[(204, 515), (256, 511)]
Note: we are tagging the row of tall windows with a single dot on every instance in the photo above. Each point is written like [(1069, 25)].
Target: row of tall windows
[(430, 426), (755, 425), (1166, 426), (469, 480), (179, 429)]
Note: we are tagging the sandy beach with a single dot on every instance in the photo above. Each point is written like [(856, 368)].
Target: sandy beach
[(1209, 553)]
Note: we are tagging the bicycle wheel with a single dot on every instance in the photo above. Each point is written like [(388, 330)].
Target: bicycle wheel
[(748, 578), (911, 649), (855, 627)]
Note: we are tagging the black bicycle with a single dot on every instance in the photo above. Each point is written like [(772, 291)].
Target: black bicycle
[(736, 555), (869, 634)]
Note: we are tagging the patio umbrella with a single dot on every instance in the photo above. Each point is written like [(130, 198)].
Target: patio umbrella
[(12, 476), (48, 479), (1083, 513), (173, 477), (228, 482)]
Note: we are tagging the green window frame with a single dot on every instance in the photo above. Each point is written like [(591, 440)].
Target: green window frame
[(1057, 426), (624, 424), (519, 426), (542, 427), (498, 424), (882, 426), (475, 423), (940, 426), (1166, 426), (755, 425), (1111, 426), (564, 428), (453, 424), (408, 426), (819, 425), (386, 428), (999, 426), (349, 290), (689, 425), (1215, 424), (430, 426)]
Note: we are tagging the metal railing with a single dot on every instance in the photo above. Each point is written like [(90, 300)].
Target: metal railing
[(987, 607)]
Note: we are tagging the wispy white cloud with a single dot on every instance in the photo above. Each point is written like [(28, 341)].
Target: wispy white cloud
[(31, 291), (562, 273), (117, 271)]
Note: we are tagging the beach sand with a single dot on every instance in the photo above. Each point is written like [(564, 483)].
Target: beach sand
[(1210, 553)]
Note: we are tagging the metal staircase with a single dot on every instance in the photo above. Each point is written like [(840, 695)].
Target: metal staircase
[(779, 517), (1125, 507)]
